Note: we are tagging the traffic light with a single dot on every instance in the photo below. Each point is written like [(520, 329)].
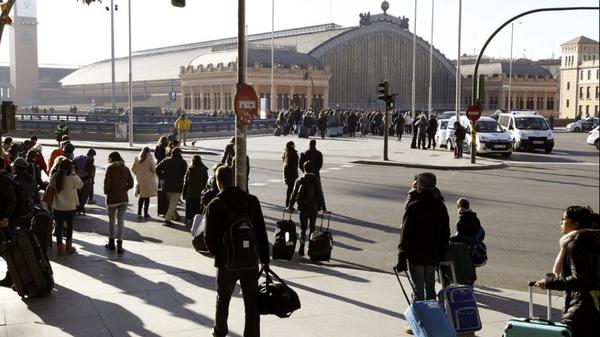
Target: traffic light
[(8, 110), (178, 3), (383, 88)]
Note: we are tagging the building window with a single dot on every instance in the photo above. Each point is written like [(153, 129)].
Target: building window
[(597, 92), (589, 77), (567, 103), (581, 92), (580, 109), (187, 101), (587, 93), (587, 111), (530, 103), (550, 103), (581, 75), (596, 111), (597, 73), (568, 85)]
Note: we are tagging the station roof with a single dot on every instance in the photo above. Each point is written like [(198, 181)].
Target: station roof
[(498, 68)]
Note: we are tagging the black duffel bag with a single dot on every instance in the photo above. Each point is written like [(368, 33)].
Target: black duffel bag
[(276, 298)]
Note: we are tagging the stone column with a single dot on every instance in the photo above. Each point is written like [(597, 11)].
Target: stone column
[(309, 96), (193, 96), (325, 98), (273, 105), (222, 98), (291, 94), (211, 99)]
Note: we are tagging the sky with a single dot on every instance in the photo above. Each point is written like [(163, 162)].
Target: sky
[(71, 33)]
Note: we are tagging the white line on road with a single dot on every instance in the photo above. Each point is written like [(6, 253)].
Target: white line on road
[(323, 171), (549, 163), (347, 165), (334, 168), (257, 184), (275, 181)]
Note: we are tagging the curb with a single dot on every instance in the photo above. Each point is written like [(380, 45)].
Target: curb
[(134, 149), (432, 167)]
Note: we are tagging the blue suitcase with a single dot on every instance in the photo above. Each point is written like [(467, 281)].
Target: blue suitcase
[(426, 318), (459, 303), (536, 326)]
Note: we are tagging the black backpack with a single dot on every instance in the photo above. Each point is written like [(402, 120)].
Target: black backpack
[(241, 246), (306, 193), (24, 206)]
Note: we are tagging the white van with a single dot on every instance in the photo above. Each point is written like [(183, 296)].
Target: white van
[(528, 130), (490, 137)]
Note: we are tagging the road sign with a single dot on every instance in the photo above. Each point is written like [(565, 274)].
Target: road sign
[(473, 113), (246, 104), (172, 96)]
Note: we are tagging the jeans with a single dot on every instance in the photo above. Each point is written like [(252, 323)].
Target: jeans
[(430, 140), (459, 148), (423, 279), (305, 216), (119, 211), (421, 143), (288, 193), (64, 224), (173, 198), (226, 280), (143, 203)]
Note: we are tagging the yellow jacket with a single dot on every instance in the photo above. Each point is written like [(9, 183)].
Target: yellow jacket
[(182, 124)]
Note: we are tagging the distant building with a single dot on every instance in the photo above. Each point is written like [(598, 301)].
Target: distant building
[(49, 90), (580, 77)]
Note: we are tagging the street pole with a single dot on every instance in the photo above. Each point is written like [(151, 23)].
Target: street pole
[(271, 105), (386, 123), (130, 84), (458, 80), (112, 53), (414, 54), (240, 128), (429, 106), (509, 108)]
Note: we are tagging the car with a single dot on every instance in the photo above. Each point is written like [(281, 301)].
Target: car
[(584, 124), (528, 130), (448, 114), (441, 135), (594, 138), (490, 138)]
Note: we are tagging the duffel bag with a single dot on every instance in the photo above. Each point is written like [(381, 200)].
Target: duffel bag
[(198, 227), (276, 298)]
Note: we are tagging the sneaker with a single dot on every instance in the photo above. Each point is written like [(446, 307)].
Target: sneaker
[(301, 249)]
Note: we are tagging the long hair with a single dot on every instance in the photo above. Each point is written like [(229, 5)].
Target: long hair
[(65, 169), (163, 141), (114, 157), (143, 154), (197, 162)]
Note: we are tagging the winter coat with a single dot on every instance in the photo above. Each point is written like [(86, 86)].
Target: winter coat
[(145, 176), (8, 199), (218, 220), (399, 123), (228, 154), (66, 199), (39, 160), (468, 224), (580, 275), (432, 126), (315, 156), (160, 153), (53, 155), (322, 122), (307, 201), (460, 133), (117, 182), (182, 124), (290, 166), (172, 171), (422, 126), (30, 187), (425, 229), (195, 182)]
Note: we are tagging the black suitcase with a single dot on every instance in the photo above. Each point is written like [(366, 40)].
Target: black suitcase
[(303, 132), (277, 132), (460, 254), (321, 242), (163, 203), (284, 239), (42, 226), (27, 264)]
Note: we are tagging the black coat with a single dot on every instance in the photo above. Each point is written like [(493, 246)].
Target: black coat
[(172, 171), (160, 153), (218, 221), (195, 182), (468, 224), (580, 275), (290, 167), (314, 202), (425, 229), (8, 199), (315, 156)]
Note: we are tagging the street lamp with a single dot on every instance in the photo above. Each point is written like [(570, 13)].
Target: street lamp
[(414, 54), (512, 28), (130, 82), (458, 63), (429, 106)]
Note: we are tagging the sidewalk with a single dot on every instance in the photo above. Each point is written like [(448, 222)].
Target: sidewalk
[(157, 290)]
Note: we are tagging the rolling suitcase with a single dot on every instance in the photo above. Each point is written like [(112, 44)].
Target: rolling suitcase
[(536, 326), (277, 132), (320, 243), (303, 132), (42, 226), (27, 263), (426, 318), (460, 254), (163, 203), (460, 305), (284, 239)]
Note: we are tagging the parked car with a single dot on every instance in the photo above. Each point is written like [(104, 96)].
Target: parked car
[(584, 124), (528, 130), (441, 136), (594, 138), (490, 138)]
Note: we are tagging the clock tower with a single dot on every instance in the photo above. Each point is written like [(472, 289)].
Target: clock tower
[(23, 53)]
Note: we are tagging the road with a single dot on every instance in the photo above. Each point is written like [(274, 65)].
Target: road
[(519, 206)]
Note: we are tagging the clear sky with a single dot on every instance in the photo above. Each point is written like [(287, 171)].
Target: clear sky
[(70, 33)]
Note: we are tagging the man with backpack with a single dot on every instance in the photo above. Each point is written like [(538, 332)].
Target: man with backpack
[(8, 203), (235, 234), (312, 154)]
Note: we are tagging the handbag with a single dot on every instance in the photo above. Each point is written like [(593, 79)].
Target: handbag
[(48, 196), (198, 228), (276, 298)]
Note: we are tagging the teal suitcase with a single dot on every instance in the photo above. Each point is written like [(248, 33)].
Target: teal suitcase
[(536, 326)]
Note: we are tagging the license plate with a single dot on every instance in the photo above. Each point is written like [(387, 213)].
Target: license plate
[(538, 142), (498, 147)]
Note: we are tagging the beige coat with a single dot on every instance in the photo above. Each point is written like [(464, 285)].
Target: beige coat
[(67, 199), (145, 176)]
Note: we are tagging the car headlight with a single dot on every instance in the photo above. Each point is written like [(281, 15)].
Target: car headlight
[(522, 135), (483, 139)]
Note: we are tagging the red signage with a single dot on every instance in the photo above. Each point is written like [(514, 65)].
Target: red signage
[(246, 104), (473, 113)]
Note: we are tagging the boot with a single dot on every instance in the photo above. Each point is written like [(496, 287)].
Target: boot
[(301, 249), (69, 249), (110, 245), (120, 249), (60, 249)]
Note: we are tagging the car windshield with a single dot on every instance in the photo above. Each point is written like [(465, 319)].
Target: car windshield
[(488, 126), (528, 123)]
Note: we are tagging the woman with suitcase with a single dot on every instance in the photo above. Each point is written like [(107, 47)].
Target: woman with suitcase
[(65, 184), (194, 183), (577, 272), (290, 169), (143, 168)]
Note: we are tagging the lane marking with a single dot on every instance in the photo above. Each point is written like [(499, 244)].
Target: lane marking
[(334, 168), (275, 181), (549, 163), (257, 184), (347, 165), (323, 171)]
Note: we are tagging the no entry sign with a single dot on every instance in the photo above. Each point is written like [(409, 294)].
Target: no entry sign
[(246, 104), (473, 113)]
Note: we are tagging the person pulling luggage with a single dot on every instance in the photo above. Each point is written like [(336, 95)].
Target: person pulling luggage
[(309, 195)]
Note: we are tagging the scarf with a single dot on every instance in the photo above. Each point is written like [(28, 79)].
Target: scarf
[(563, 242)]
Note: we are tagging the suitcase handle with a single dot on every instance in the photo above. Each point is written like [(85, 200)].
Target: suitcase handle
[(441, 274), (402, 287), (548, 309), (549, 322), (328, 219)]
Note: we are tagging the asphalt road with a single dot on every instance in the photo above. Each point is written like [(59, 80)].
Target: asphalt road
[(520, 207)]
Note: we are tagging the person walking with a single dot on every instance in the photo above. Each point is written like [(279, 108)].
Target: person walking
[(415, 132), (221, 214), (322, 124), (195, 182), (308, 192), (160, 151), (551, 121), (460, 133), (424, 235), (65, 184), (312, 154), (172, 171), (422, 131), (143, 168), (399, 123), (117, 182), (432, 127), (182, 124), (577, 271), (290, 169), (364, 124)]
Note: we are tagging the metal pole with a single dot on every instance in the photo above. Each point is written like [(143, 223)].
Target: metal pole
[(271, 105), (130, 84), (429, 106), (112, 53), (414, 53), (458, 79), (386, 123), (509, 105), (240, 128)]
